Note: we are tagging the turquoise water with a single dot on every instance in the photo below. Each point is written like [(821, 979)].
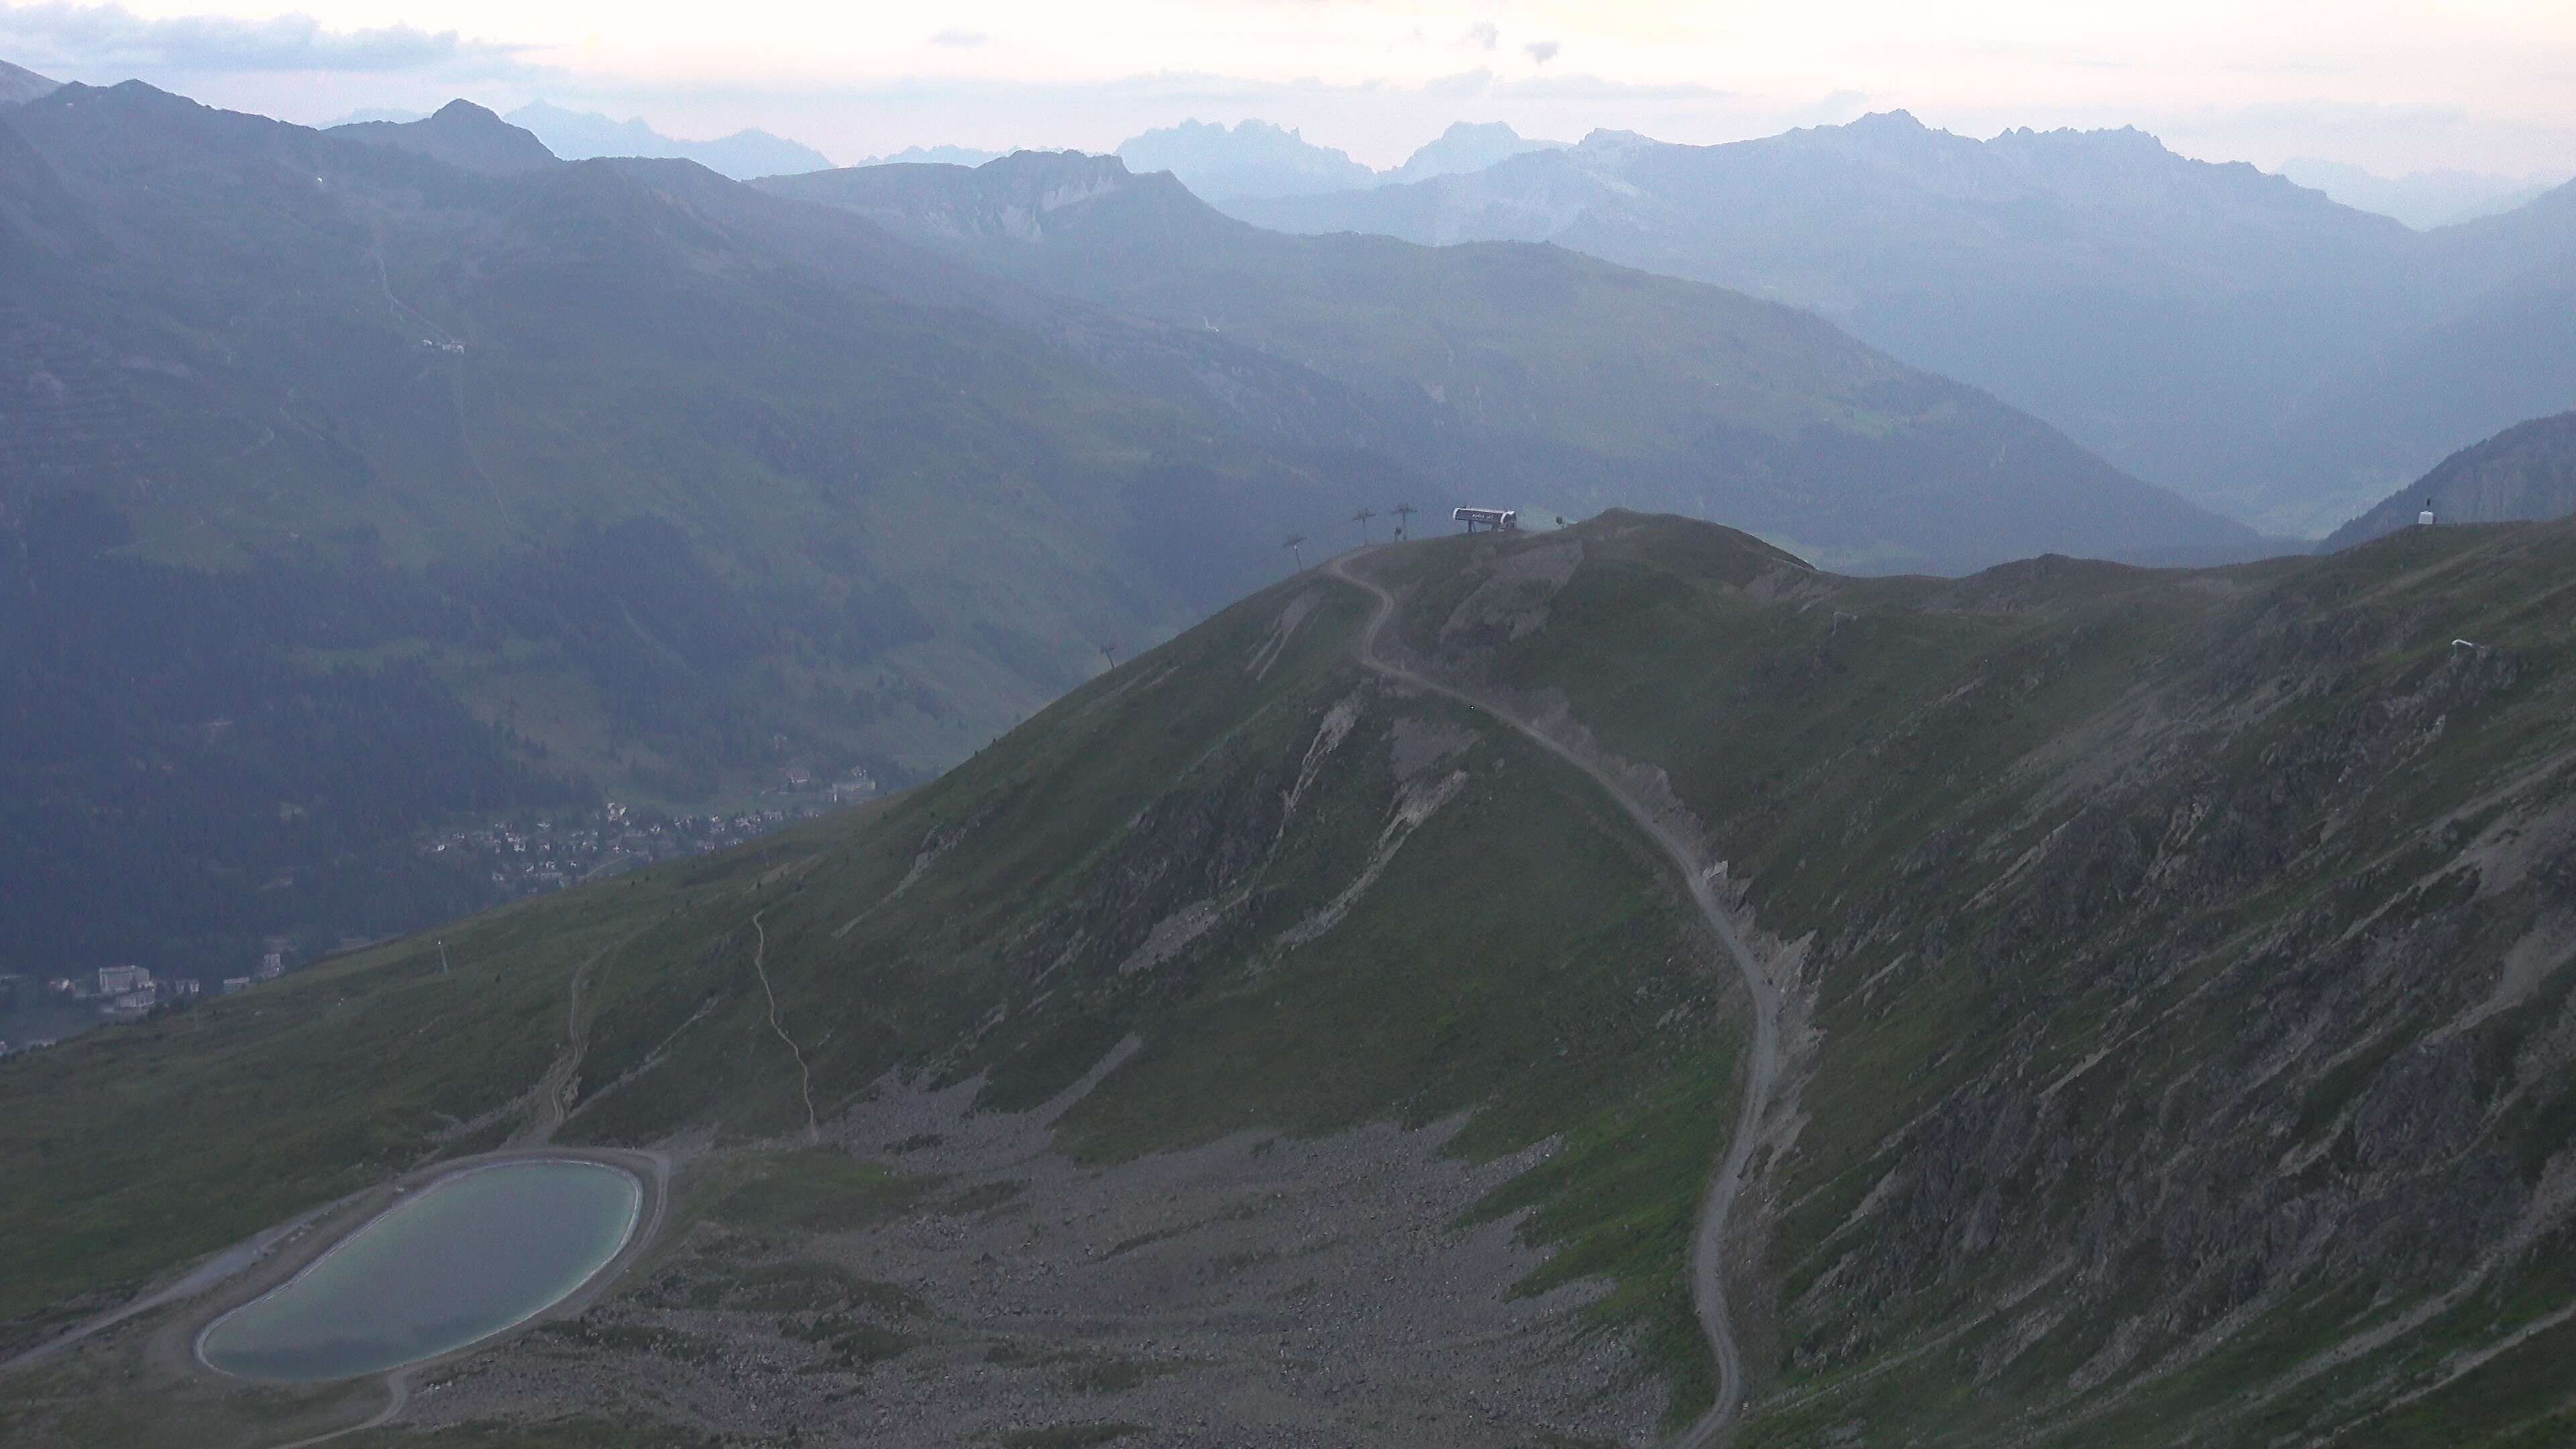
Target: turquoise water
[(459, 1260)]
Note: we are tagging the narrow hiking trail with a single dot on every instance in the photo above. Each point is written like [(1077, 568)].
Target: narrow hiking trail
[(804, 1078), (1762, 1075)]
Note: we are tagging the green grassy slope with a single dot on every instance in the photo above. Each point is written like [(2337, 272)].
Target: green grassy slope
[(2180, 963)]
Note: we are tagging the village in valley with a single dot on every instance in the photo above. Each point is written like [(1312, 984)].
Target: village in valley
[(534, 854), (517, 856)]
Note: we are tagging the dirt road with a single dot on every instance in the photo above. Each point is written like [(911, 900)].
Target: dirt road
[(1707, 1261)]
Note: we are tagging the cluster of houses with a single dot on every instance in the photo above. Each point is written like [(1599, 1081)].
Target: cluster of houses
[(129, 993), (522, 857), (532, 855), (124, 993)]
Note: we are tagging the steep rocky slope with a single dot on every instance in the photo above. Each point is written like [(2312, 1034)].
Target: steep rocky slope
[(2173, 970)]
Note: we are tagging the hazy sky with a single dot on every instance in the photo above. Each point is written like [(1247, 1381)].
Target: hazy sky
[(2394, 85)]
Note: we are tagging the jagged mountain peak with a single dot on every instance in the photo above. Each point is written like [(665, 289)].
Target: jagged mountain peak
[(1468, 146), (1252, 158), (1896, 122)]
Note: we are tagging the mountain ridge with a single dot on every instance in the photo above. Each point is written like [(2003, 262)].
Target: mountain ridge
[(1253, 159)]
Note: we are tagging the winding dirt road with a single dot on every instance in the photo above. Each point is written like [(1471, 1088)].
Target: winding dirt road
[(1708, 1242)]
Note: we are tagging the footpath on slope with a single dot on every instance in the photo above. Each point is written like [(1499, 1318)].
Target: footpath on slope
[(1708, 1241), (804, 1076)]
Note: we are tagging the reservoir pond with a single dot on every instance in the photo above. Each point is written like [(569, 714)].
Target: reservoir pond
[(457, 1261)]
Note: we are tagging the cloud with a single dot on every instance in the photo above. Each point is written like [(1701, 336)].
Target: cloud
[(1542, 51), (1465, 83), (963, 39), (99, 37), (1597, 88), (1485, 33)]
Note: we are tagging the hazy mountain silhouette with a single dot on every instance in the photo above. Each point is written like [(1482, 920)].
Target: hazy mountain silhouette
[(1624, 389), (2421, 199), (1253, 159), (2208, 327), (931, 155), (1467, 147), (580, 135)]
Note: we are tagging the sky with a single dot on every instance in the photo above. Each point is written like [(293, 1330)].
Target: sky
[(2394, 86)]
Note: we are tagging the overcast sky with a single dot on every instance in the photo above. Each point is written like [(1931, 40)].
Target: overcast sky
[(2393, 85)]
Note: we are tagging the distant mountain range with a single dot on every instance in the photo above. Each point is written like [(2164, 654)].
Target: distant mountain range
[(2526, 472), (580, 135), (1567, 381), (2423, 199), (933, 156), (1256, 160), (1253, 160), (2248, 342), (583, 135)]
